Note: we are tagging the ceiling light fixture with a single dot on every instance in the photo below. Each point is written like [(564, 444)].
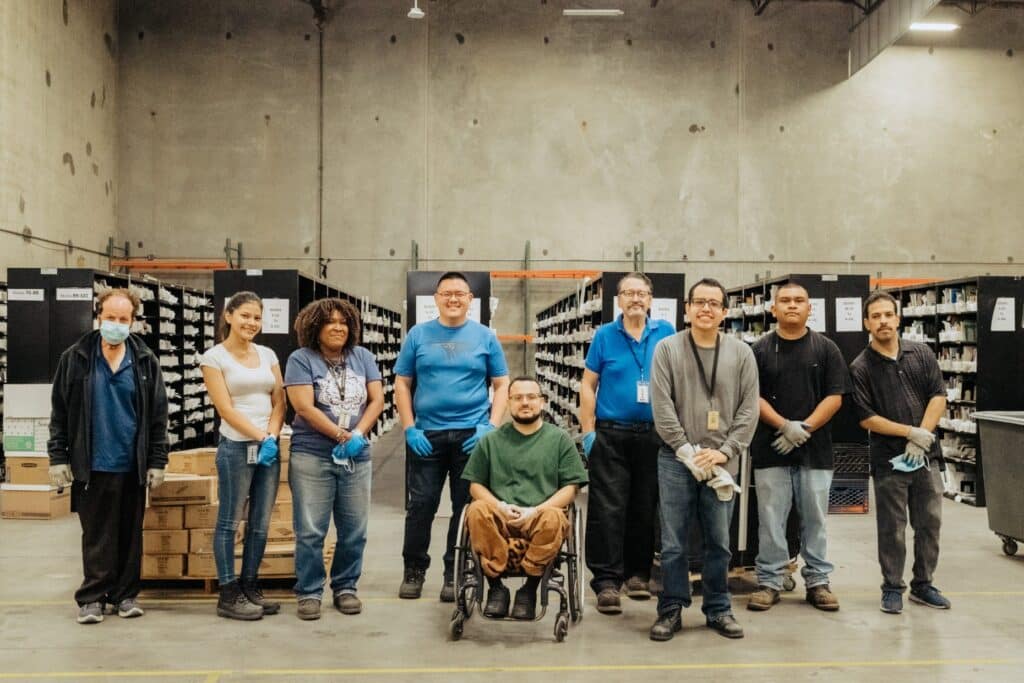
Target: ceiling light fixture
[(592, 13), (416, 12), (934, 27)]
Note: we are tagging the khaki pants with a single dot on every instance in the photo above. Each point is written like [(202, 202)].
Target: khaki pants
[(529, 548)]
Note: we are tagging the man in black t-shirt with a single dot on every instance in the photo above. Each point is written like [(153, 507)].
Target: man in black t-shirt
[(803, 378)]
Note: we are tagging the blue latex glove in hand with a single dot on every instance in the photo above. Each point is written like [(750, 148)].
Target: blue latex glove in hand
[(355, 445), (418, 442), (470, 443), (902, 463), (588, 442), (338, 454), (268, 452)]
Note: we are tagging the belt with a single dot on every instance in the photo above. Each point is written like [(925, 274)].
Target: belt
[(626, 426)]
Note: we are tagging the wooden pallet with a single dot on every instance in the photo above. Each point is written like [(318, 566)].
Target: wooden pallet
[(208, 586)]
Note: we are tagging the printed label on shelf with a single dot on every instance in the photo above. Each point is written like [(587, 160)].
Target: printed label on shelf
[(19, 294), (1003, 315), (74, 294), (848, 314), (816, 320), (275, 316), (254, 271), (47, 271)]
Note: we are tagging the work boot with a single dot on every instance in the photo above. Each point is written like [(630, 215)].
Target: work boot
[(233, 604), (822, 598), (608, 601), (667, 625), (251, 588), (637, 588), (726, 625), (525, 605), (308, 609), (497, 602), (763, 598), (412, 583), (348, 603)]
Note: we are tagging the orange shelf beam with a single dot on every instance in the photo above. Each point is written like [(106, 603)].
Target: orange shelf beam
[(167, 264), (545, 274), (892, 282)]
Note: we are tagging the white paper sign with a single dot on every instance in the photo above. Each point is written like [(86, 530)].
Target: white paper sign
[(253, 272), (74, 294), (848, 314), (426, 309), (816, 320), (275, 316), (661, 309), (24, 295), (1003, 315)]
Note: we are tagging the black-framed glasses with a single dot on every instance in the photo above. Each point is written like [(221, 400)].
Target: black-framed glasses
[(713, 304), (635, 293), (454, 295)]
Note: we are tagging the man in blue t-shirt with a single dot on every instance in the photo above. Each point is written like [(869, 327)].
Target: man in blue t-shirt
[(442, 376), (622, 447)]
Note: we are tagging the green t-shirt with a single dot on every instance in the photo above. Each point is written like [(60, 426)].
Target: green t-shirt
[(525, 470)]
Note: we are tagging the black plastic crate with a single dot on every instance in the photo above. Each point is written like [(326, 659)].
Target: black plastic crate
[(848, 497), (851, 461)]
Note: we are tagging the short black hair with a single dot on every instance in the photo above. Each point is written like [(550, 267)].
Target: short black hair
[(881, 295), (790, 284), (453, 275), (707, 282), (635, 275), (525, 378)]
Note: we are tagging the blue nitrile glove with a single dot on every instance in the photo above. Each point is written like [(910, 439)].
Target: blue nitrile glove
[(268, 452), (355, 445), (901, 463), (470, 443), (418, 442), (339, 455), (588, 442)]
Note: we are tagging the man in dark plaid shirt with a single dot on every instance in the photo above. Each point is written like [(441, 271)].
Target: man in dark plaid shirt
[(899, 395)]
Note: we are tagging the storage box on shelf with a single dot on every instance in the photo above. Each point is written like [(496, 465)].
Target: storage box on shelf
[(285, 292), (3, 370), (974, 326)]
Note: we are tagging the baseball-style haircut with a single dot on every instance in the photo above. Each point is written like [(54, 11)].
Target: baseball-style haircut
[(315, 315), (121, 292), (791, 284), (635, 276), (231, 305), (707, 282), (881, 295), (525, 378), (453, 275)]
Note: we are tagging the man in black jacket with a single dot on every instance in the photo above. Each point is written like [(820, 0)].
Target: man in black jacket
[(108, 440)]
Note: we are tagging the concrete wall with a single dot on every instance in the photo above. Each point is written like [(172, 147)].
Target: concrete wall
[(730, 145), (58, 129)]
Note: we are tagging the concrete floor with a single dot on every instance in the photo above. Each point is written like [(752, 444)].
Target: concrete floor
[(180, 638)]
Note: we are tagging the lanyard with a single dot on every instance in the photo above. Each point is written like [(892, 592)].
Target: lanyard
[(709, 388), (643, 350), (333, 369)]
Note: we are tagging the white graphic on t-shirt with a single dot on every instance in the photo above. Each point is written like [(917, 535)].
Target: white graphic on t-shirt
[(327, 394)]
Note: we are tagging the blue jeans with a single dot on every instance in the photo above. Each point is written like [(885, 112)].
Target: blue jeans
[(777, 488), (424, 481), (319, 489), (236, 481), (685, 500)]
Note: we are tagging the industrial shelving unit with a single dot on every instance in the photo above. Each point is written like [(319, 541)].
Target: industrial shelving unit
[(3, 372)]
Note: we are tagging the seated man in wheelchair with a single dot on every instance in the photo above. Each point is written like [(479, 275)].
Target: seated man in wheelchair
[(522, 477)]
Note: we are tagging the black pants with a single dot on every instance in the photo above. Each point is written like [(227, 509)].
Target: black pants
[(622, 506), (110, 510), (424, 481), (919, 493)]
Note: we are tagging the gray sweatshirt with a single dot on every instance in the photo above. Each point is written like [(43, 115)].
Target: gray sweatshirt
[(680, 402)]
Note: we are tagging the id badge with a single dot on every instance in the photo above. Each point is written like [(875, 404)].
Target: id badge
[(643, 392), (344, 419), (713, 420), (252, 453)]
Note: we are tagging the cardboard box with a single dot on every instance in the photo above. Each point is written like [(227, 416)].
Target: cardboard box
[(205, 567), (184, 489), (282, 512), (173, 542), (28, 468), (201, 516), (284, 447), (163, 566), (284, 471), (164, 517), (34, 501), (200, 541), (201, 461), (284, 493)]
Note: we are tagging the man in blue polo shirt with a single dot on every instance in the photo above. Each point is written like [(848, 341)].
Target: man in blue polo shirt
[(622, 447), (450, 362)]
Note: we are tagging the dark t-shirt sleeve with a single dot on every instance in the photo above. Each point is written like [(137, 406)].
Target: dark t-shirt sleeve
[(570, 465), (478, 467), (863, 401), (936, 385), (837, 377)]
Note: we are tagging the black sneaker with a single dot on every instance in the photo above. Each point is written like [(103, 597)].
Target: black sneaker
[(412, 584), (667, 625), (726, 625), (497, 602), (929, 596), (525, 606), (251, 588), (448, 591), (892, 602)]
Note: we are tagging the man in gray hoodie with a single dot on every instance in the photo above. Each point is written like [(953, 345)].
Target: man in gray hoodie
[(704, 396)]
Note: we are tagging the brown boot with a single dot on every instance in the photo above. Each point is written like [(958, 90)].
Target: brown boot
[(762, 599), (822, 598)]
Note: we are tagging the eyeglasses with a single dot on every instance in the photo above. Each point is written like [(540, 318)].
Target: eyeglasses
[(634, 293), (713, 304), (454, 295), (518, 398)]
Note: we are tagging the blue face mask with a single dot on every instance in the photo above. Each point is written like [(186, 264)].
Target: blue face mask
[(900, 464), (114, 333)]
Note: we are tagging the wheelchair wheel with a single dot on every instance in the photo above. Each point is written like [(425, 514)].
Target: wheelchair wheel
[(456, 624), (574, 573), (561, 627)]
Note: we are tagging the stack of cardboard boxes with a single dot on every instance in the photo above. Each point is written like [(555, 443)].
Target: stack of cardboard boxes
[(177, 536), (28, 493)]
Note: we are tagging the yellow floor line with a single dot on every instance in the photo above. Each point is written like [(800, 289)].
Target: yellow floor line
[(214, 675)]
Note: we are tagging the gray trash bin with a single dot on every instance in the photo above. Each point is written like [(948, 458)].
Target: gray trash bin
[(1002, 444)]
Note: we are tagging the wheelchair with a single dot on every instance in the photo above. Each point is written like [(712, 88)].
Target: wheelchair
[(563, 576)]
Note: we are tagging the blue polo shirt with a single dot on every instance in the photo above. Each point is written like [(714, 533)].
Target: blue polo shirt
[(621, 362), (114, 418)]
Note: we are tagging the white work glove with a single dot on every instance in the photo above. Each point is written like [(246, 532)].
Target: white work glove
[(921, 437), (914, 455), (792, 435), (60, 475), (154, 477), (685, 454), (723, 484)]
